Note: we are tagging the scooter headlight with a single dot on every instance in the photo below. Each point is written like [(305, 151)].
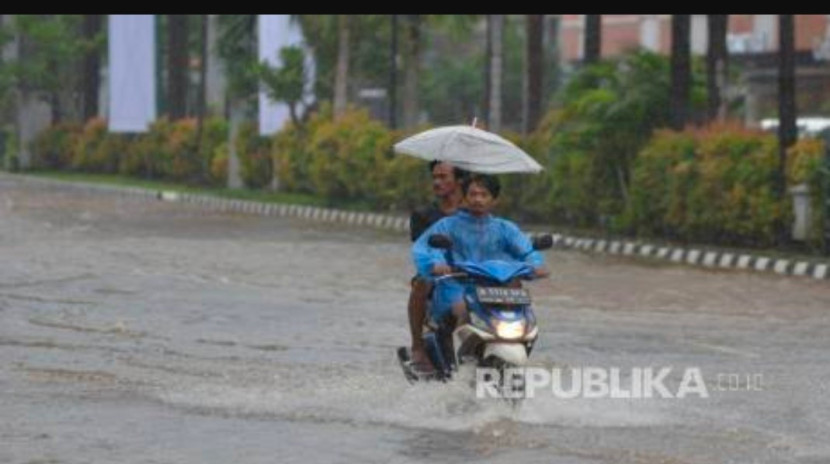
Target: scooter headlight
[(510, 329)]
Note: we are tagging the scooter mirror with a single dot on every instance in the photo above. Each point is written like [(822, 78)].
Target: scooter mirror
[(440, 241), (542, 242)]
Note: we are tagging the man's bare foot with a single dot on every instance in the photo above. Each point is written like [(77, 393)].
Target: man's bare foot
[(420, 361)]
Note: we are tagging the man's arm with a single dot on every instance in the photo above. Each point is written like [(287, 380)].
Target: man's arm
[(418, 222)]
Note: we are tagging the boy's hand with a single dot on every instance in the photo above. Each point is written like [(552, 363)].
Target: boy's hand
[(441, 269), (541, 272)]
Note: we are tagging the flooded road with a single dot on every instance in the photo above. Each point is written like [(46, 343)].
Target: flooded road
[(150, 332)]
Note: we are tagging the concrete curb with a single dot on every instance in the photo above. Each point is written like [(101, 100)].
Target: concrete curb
[(815, 268), (758, 262)]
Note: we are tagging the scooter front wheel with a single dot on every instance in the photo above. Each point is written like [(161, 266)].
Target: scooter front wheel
[(511, 384)]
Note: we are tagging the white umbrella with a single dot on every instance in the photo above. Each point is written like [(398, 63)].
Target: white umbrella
[(468, 148)]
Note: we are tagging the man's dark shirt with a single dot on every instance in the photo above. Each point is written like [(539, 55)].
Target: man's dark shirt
[(423, 218)]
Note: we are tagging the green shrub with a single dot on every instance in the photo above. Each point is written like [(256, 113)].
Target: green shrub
[(254, 152), (53, 148), (713, 184), (92, 151)]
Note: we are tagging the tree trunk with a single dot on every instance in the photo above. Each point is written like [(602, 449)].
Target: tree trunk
[(393, 75), (56, 109), (717, 66), (497, 31), (534, 72), (787, 132), (488, 58), (593, 38), (236, 108), (342, 76), (412, 65), (202, 106), (54, 97), (217, 80), (91, 67), (681, 70), (177, 66)]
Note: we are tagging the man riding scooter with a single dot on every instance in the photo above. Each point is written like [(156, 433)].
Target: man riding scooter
[(446, 185)]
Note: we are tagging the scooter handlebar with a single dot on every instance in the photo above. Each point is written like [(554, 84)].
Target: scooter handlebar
[(451, 275)]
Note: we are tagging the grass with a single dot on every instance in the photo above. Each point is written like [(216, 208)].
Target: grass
[(239, 194)]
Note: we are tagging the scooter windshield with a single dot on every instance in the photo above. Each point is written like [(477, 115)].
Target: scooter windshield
[(498, 270)]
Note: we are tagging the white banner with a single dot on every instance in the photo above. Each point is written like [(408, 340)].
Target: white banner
[(276, 32), (132, 72)]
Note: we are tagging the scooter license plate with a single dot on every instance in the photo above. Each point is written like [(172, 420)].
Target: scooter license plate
[(501, 295)]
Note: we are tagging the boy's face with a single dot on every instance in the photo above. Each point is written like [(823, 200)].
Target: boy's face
[(479, 200)]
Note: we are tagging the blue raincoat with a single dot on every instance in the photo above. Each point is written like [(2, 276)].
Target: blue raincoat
[(474, 239)]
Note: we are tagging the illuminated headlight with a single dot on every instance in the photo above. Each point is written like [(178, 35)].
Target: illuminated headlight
[(510, 330)]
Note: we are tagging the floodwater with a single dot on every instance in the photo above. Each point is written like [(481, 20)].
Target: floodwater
[(151, 332)]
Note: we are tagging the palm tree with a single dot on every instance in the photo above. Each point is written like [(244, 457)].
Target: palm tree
[(717, 65), (91, 28), (534, 74), (495, 72), (786, 95), (593, 38), (681, 69), (236, 46), (412, 66), (201, 105), (177, 65), (342, 76), (393, 74)]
